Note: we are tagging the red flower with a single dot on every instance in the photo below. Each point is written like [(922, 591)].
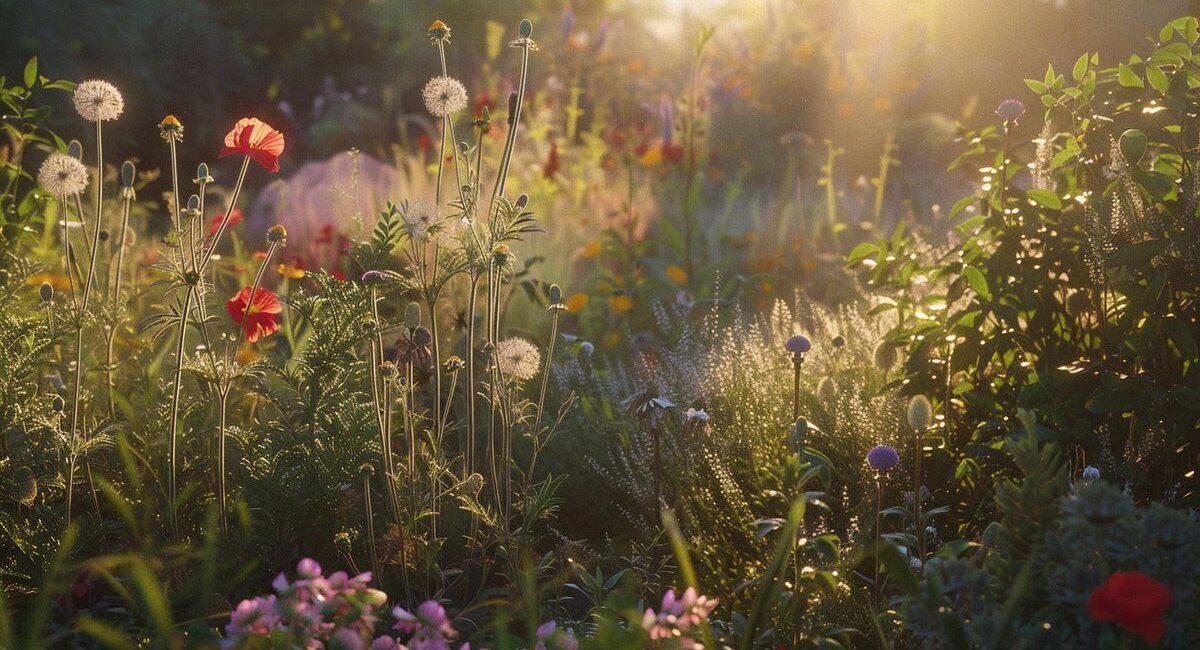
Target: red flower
[(258, 316), (1133, 600), (552, 163), (255, 138), (235, 217)]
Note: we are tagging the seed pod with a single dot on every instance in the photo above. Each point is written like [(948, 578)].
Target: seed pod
[(412, 315), (128, 173), (75, 150)]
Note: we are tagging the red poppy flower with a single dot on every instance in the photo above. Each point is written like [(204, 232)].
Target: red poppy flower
[(258, 317), (235, 217), (255, 138), (1133, 600)]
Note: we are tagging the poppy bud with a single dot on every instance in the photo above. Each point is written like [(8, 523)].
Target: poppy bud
[(526, 28), (46, 291), (522, 201), (555, 294), (412, 315), (202, 175), (75, 150), (128, 173)]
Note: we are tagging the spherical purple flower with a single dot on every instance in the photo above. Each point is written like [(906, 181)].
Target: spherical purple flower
[(882, 458), (798, 344), (1010, 110)]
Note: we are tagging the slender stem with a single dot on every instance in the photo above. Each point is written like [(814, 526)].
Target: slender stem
[(173, 449), (918, 526), (502, 174), (95, 241), (237, 190), (116, 298), (224, 398), (376, 389), (370, 526), (878, 530), (537, 420), (471, 384), (797, 363)]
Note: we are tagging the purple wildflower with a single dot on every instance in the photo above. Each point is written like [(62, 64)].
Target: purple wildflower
[(1010, 110), (882, 458), (798, 345)]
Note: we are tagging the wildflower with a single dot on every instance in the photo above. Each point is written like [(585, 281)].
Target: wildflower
[(98, 101), (517, 358), (1090, 473), (1010, 110), (63, 175), (438, 32), (257, 315), (236, 216), (696, 421), (882, 458), (797, 345), (576, 302), (429, 626), (587, 349), (551, 638), (454, 364), (620, 303), (170, 129), (1134, 601), (678, 616), (419, 218), (647, 405), (254, 138), (920, 413), (444, 96), (677, 275)]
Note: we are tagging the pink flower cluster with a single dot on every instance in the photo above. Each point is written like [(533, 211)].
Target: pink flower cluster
[(313, 612), (429, 626), (678, 617), (549, 637)]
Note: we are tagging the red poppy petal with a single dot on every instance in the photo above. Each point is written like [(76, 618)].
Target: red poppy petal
[(1150, 629)]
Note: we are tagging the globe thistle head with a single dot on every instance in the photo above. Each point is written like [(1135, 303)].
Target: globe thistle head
[(1090, 473), (1010, 110), (920, 413), (98, 101), (882, 458), (419, 219), (517, 358), (797, 345), (444, 96), (63, 175)]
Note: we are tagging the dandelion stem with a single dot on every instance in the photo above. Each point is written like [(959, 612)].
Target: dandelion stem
[(173, 444)]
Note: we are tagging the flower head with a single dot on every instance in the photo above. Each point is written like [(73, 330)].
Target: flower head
[(98, 101), (236, 216), (797, 345), (518, 359), (1010, 110), (255, 138), (419, 218), (170, 129), (1134, 601), (63, 175), (438, 32), (882, 458), (1091, 473), (444, 96), (257, 315)]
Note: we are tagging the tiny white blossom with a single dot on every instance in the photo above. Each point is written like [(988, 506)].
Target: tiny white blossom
[(63, 175), (98, 101), (419, 218), (444, 96), (518, 359)]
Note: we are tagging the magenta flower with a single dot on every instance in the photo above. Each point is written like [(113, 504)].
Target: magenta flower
[(678, 617), (429, 626), (882, 458)]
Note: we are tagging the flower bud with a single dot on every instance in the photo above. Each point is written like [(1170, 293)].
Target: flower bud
[(277, 234), (46, 292), (412, 315), (920, 413)]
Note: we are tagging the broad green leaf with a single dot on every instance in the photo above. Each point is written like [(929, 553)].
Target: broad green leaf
[(1045, 198), (1158, 79), (1080, 69), (1128, 78), (31, 70), (977, 282)]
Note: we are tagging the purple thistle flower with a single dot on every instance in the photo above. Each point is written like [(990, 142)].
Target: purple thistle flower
[(798, 345), (1010, 110), (882, 458)]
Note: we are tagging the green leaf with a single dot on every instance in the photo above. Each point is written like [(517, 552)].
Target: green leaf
[(978, 283), (861, 252), (1036, 86), (1133, 145), (1080, 69), (1158, 79), (1128, 78), (1045, 198), (31, 69)]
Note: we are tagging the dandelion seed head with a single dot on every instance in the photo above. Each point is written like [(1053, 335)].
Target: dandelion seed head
[(444, 96), (518, 358), (98, 101), (63, 175), (419, 217)]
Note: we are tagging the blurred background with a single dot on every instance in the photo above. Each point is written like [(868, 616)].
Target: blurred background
[(801, 119)]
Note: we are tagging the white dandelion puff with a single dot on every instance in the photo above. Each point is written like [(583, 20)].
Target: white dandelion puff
[(444, 96), (98, 101), (419, 219), (63, 175), (518, 359)]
